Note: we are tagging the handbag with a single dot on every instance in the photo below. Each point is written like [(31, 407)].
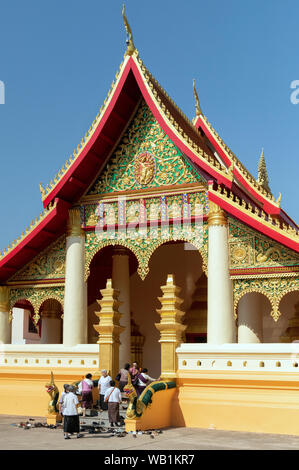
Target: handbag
[(118, 377), (109, 395)]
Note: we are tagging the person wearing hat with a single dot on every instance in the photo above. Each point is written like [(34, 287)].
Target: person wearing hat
[(70, 413)]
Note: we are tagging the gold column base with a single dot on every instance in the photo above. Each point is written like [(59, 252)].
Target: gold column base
[(53, 419)]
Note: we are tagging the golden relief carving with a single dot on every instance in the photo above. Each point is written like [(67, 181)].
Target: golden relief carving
[(143, 246), (36, 296), (4, 299), (250, 249), (273, 289), (144, 168), (216, 215), (49, 264), (145, 157)]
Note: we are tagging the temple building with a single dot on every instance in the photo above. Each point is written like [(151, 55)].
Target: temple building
[(156, 244)]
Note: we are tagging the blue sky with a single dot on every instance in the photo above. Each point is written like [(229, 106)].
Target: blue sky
[(58, 59)]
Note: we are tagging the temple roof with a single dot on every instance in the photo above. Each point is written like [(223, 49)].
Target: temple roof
[(230, 184)]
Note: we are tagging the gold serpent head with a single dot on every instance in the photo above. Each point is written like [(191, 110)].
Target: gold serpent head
[(130, 44)]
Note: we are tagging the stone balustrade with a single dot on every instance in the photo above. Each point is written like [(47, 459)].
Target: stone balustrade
[(239, 357), (50, 355)]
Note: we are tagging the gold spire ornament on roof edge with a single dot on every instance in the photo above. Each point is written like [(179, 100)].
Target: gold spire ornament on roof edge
[(262, 178), (197, 105), (130, 44)]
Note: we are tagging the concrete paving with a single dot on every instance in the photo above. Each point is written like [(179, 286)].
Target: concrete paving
[(13, 438)]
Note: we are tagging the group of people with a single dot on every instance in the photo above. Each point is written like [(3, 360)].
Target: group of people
[(110, 396)]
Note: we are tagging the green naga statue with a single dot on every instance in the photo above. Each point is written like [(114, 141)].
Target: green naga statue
[(138, 405)]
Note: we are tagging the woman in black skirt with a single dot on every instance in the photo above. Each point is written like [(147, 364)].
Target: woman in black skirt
[(71, 418)]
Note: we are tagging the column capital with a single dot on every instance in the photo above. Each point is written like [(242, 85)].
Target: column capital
[(4, 299), (74, 223), (216, 215), (51, 309), (120, 251)]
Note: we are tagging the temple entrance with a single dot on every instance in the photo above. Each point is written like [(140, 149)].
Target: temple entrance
[(178, 258)]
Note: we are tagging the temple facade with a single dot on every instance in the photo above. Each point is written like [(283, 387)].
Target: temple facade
[(156, 244)]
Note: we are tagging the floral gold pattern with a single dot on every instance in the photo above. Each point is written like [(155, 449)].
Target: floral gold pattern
[(132, 167)]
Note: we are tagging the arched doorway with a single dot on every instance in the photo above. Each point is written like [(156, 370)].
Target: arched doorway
[(180, 259), (252, 318), (23, 328), (289, 308)]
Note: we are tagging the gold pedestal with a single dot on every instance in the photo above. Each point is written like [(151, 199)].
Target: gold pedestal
[(109, 329), (54, 419), (170, 327)]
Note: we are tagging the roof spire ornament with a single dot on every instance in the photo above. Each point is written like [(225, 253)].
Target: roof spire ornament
[(129, 41), (262, 178), (197, 105)]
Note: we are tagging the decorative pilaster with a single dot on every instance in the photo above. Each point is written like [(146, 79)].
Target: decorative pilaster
[(5, 328), (121, 282), (109, 329), (75, 323), (170, 327), (221, 325)]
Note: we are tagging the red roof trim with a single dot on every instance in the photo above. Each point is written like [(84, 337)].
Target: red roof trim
[(267, 206), (254, 223)]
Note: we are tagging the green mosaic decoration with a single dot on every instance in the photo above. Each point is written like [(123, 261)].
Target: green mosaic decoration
[(145, 135), (36, 296), (250, 249), (274, 289), (50, 264)]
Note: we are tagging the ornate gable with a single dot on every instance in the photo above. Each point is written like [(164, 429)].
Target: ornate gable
[(145, 158), (50, 264)]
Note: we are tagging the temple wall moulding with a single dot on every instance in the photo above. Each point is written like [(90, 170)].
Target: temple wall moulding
[(274, 289), (36, 296), (145, 246), (250, 249)]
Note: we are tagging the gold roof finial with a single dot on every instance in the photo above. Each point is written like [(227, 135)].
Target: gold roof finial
[(197, 105), (262, 178), (130, 44)]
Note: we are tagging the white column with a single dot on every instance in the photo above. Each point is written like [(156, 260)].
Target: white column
[(121, 282), (221, 323), (5, 327), (74, 321), (250, 319), (51, 330), (51, 322)]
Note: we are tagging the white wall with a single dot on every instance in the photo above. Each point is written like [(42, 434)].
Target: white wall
[(19, 328)]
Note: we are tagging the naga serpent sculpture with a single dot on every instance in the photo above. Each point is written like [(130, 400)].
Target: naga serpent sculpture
[(53, 391), (137, 405)]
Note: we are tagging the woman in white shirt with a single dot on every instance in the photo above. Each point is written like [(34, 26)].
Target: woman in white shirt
[(61, 401), (104, 384), (113, 398), (71, 419)]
